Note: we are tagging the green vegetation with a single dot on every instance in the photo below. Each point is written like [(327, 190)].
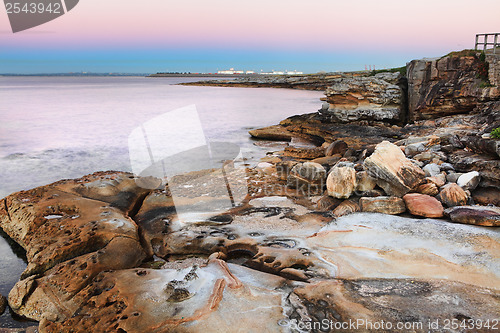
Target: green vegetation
[(401, 70), (463, 53), (495, 133), (483, 71)]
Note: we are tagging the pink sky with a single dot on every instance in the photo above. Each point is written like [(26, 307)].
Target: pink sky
[(430, 27)]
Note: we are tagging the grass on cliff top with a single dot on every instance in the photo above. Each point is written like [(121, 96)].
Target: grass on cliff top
[(463, 53), (401, 70)]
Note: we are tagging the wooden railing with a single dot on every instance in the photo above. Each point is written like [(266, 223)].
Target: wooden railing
[(485, 43)]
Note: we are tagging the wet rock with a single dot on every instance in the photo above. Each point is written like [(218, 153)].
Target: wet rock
[(364, 182), (336, 147), (487, 196), (394, 172), (478, 215), (469, 180), (345, 208), (341, 182), (276, 133), (431, 170), (304, 153), (3, 304), (308, 175), (453, 195), (423, 205), (328, 203), (429, 188), (384, 205)]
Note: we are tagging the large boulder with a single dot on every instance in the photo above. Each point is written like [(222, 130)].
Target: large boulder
[(485, 216), (423, 205), (341, 182), (384, 205), (469, 180), (396, 174), (376, 97), (487, 196)]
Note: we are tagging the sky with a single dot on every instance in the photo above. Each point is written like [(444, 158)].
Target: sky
[(151, 36)]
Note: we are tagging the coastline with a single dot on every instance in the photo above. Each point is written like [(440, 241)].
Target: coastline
[(325, 217)]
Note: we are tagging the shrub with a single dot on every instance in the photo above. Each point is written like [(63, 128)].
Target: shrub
[(495, 133)]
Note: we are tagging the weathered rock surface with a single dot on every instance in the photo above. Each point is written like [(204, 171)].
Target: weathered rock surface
[(336, 147), (366, 98), (396, 174), (252, 258), (486, 216), (345, 208), (276, 133), (365, 182), (341, 182), (423, 205), (428, 188), (445, 86), (304, 153), (487, 196), (469, 180), (453, 195), (384, 205)]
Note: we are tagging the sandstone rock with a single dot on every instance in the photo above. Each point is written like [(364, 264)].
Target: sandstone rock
[(364, 182), (304, 153), (487, 196), (429, 188), (423, 205), (345, 208), (277, 133), (384, 205), (453, 195), (365, 98), (477, 215), (446, 167), (341, 182), (327, 203), (308, 175), (431, 170), (439, 180), (487, 166), (3, 304), (414, 149), (469, 180), (393, 171), (328, 161), (442, 87), (336, 147)]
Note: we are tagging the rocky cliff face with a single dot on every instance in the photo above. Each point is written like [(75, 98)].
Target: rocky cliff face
[(380, 97), (447, 86)]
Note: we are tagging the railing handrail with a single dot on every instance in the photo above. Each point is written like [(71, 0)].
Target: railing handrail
[(485, 43)]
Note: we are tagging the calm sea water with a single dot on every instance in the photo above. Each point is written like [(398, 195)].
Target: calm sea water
[(64, 127)]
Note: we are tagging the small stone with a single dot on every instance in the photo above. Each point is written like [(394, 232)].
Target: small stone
[(327, 203), (453, 195), (428, 188), (365, 182), (423, 205), (309, 175), (431, 170), (283, 168), (384, 205), (446, 167), (452, 177), (477, 215), (3, 304), (414, 149), (336, 147), (439, 180), (345, 208), (469, 180), (341, 182)]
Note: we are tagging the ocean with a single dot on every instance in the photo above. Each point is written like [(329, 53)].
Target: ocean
[(54, 128)]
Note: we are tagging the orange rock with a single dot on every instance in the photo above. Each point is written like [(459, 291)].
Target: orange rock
[(423, 205), (453, 195)]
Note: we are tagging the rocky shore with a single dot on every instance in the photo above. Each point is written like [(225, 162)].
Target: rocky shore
[(380, 207)]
